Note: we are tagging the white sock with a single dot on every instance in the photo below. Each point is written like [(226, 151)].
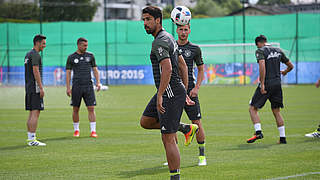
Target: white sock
[(76, 126), (93, 126), (257, 127), (282, 131), (31, 136)]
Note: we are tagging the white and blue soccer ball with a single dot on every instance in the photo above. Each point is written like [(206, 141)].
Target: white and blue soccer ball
[(181, 15)]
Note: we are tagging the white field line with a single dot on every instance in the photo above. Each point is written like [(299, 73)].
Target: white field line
[(294, 176)]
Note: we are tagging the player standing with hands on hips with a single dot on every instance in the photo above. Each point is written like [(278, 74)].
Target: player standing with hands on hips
[(81, 62)]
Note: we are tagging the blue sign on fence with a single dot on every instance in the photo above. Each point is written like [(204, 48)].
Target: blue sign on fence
[(232, 73)]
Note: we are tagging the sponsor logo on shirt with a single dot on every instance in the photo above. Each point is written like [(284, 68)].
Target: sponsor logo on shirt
[(273, 55), (76, 61)]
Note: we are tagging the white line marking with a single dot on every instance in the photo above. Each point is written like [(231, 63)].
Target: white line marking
[(294, 176)]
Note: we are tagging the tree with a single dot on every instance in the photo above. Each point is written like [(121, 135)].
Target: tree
[(273, 2), (207, 8), (230, 5), (167, 12), (19, 9), (69, 10)]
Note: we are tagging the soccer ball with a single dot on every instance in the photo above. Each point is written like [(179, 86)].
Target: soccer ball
[(181, 15)]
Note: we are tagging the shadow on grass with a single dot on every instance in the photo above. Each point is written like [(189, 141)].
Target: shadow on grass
[(311, 140), (42, 140), (250, 146), (63, 138), (147, 171)]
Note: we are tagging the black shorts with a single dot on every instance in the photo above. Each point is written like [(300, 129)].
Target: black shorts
[(193, 111), (170, 120), (85, 92), (34, 102), (274, 94)]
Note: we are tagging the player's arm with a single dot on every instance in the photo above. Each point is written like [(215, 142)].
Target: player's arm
[(68, 76), (36, 72), (287, 62), (262, 75), (183, 71), (262, 70), (194, 92), (166, 70), (96, 75), (37, 77), (198, 60), (289, 68)]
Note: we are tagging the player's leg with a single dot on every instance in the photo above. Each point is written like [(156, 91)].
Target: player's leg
[(34, 104), (201, 142), (314, 134), (258, 100), (276, 101), (90, 101), (32, 124), (190, 130), (169, 123), (280, 125), (149, 122), (75, 119), (149, 118), (75, 103), (194, 114), (172, 153), (92, 119), (200, 136)]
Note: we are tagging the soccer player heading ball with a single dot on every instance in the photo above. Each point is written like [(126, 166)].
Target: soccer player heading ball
[(181, 15)]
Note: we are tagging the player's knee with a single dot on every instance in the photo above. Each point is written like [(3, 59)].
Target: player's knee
[(143, 123), (252, 109), (275, 111), (169, 138), (75, 109), (90, 109)]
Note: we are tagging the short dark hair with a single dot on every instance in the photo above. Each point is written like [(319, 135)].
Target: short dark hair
[(80, 40), (38, 38), (183, 25), (261, 38), (154, 12)]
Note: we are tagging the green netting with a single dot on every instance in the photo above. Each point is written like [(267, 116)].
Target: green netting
[(128, 44)]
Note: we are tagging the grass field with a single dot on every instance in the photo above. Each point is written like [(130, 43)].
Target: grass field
[(126, 151)]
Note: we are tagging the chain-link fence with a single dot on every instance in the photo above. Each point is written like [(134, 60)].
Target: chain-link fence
[(117, 38)]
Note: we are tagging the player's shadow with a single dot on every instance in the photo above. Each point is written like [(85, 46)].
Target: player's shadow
[(147, 171), (249, 146), (63, 138), (42, 140)]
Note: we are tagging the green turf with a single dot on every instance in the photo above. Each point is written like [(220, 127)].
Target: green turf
[(126, 151)]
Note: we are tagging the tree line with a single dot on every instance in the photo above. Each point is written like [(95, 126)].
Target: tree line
[(84, 10)]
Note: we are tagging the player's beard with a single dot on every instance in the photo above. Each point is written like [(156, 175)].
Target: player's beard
[(149, 31), (82, 50)]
